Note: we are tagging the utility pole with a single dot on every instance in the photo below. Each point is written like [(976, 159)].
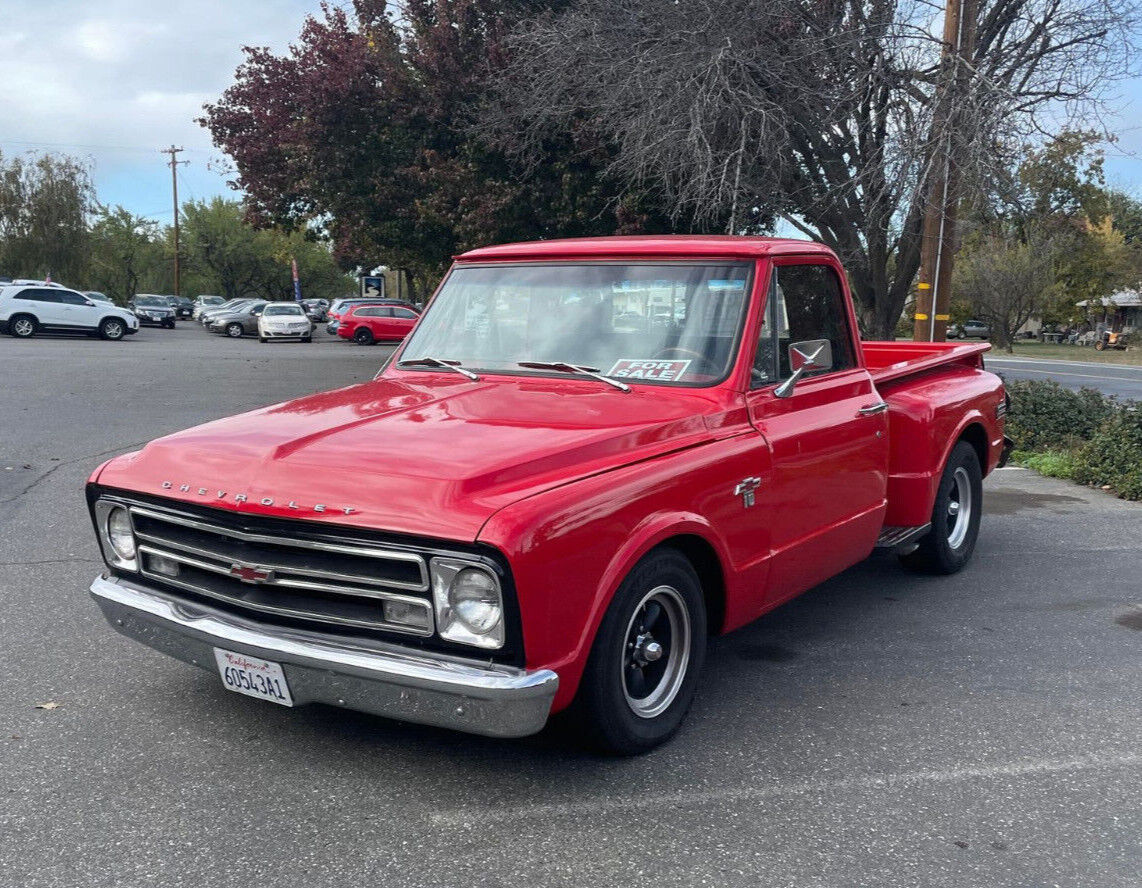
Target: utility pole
[(173, 164), (937, 251)]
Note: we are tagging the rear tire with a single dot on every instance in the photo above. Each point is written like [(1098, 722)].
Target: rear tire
[(234, 330), (646, 658), (112, 329), (363, 336), (23, 326), (948, 546)]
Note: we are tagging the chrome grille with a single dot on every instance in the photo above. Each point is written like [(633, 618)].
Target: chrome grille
[(341, 583)]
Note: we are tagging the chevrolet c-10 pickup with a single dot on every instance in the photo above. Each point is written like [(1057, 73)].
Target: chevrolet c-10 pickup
[(588, 457)]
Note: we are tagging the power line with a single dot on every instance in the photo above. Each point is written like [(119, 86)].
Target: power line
[(91, 146)]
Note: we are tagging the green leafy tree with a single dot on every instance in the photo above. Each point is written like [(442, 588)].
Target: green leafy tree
[(44, 204), (126, 250)]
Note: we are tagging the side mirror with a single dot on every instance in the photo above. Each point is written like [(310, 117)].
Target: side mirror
[(807, 356)]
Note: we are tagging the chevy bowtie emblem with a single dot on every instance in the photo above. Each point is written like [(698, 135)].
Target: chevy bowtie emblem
[(746, 489), (247, 573)]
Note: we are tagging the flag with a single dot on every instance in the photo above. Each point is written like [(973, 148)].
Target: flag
[(48, 279), (296, 281)]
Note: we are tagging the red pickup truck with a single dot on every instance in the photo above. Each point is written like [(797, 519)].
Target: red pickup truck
[(588, 456)]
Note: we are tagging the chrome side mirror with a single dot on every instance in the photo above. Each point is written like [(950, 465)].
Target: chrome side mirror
[(807, 356)]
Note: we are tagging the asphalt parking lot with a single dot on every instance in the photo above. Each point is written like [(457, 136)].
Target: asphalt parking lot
[(882, 730)]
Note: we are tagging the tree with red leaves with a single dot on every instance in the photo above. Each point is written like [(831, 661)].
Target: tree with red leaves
[(366, 132)]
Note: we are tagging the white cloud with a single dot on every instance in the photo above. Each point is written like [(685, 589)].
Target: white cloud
[(116, 80)]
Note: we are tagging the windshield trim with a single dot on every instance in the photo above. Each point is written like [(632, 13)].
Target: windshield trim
[(735, 348)]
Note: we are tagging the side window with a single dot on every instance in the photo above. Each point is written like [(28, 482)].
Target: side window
[(809, 304), (403, 313), (28, 295), (764, 370), (365, 313), (46, 295), (69, 298)]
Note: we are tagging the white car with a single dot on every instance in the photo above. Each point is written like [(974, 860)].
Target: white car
[(26, 310), (205, 303), (284, 320)]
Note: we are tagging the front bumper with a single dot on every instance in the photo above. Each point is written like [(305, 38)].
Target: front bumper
[(384, 679)]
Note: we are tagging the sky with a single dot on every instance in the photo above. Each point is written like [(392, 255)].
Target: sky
[(115, 81)]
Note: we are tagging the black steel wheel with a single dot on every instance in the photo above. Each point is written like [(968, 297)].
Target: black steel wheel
[(647, 655), (949, 545), (363, 336)]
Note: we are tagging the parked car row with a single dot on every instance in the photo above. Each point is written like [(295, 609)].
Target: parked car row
[(26, 310), (29, 307)]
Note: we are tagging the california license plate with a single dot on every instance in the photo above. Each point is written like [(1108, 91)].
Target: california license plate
[(253, 677)]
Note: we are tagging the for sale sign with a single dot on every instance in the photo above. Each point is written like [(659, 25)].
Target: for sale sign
[(650, 370)]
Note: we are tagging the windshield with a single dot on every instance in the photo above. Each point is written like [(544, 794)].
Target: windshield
[(151, 301), (283, 310), (210, 300), (667, 323)]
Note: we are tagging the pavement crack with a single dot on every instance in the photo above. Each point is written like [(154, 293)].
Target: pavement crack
[(70, 462)]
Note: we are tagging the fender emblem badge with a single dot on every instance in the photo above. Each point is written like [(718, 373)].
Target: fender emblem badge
[(746, 489)]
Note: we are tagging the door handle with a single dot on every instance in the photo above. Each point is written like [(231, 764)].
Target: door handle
[(873, 409)]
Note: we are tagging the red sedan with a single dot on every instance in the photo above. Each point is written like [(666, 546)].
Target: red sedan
[(367, 324)]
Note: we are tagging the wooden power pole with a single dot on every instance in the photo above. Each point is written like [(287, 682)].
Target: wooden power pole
[(937, 251), (173, 164)]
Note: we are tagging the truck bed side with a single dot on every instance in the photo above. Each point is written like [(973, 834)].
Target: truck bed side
[(937, 394)]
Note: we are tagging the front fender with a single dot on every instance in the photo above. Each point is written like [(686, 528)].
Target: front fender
[(570, 548)]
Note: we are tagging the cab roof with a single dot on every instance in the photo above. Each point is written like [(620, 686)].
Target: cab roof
[(662, 246)]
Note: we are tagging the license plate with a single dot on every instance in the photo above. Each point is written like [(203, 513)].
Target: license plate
[(253, 677)]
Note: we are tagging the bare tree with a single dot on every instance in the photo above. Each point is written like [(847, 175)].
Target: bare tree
[(1007, 282), (820, 112)]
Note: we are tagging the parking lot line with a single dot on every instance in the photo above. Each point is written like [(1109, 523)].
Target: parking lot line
[(466, 817)]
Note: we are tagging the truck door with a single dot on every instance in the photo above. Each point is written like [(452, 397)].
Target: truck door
[(828, 432)]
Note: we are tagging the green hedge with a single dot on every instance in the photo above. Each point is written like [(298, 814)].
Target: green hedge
[(1046, 416), (1085, 435)]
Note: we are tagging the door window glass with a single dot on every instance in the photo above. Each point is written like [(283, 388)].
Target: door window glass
[(69, 298), (805, 302)]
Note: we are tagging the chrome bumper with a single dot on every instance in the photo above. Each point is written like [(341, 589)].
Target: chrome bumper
[(384, 679)]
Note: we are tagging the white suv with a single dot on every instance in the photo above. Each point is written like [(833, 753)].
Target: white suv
[(26, 310)]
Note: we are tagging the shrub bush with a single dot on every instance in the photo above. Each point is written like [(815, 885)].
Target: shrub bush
[(1114, 455), (1046, 416)]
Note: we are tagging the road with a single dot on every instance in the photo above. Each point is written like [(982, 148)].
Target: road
[(1119, 380), (884, 729)]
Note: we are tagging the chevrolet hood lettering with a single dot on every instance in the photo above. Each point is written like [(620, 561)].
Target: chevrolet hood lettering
[(292, 505)]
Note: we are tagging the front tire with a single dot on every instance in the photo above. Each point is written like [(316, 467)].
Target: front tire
[(112, 329), (234, 331), (23, 326), (948, 546), (646, 659)]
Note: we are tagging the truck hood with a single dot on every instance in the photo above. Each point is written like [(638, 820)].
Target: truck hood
[(433, 457)]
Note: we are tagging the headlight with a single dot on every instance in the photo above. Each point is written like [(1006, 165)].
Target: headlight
[(116, 535), (469, 604)]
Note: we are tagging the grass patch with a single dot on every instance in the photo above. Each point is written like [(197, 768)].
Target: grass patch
[(1049, 352)]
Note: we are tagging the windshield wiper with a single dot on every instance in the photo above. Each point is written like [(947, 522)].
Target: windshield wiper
[(564, 367), (438, 362)]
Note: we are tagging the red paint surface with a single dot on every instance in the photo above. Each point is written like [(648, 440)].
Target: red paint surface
[(382, 328), (574, 481)]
